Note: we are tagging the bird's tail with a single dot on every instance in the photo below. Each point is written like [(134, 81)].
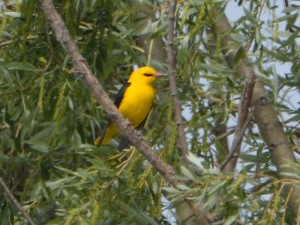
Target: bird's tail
[(124, 143), (109, 131)]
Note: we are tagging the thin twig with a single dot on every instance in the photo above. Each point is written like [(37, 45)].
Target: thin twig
[(172, 81), (242, 122), (225, 134), (258, 187), (5, 43), (15, 202), (286, 5)]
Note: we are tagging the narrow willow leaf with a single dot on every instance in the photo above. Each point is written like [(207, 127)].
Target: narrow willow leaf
[(3, 158), (59, 183), (187, 173), (70, 103), (249, 16), (263, 78), (293, 118), (77, 174), (44, 133), (41, 93), (84, 173), (217, 187), (253, 158), (287, 18), (211, 202), (291, 9), (275, 82), (239, 55), (292, 38), (231, 220), (193, 159), (20, 66), (13, 14), (183, 187), (99, 164), (39, 146), (171, 190), (213, 69), (238, 38), (296, 176), (257, 36)]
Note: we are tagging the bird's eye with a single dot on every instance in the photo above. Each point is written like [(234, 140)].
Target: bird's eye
[(148, 74)]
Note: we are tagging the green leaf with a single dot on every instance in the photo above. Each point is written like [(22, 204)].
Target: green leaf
[(264, 79), (239, 55), (293, 118), (231, 220), (291, 9), (275, 82), (75, 173), (258, 36), (238, 38), (249, 16), (283, 18), (292, 38), (214, 69), (196, 161), (13, 14), (59, 183), (3, 158), (187, 173), (211, 202), (99, 164), (253, 158), (20, 66), (44, 133), (183, 187), (216, 187), (171, 190), (39, 146)]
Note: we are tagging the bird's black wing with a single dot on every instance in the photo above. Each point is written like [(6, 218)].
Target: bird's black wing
[(120, 95)]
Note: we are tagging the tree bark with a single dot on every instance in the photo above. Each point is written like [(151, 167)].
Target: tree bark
[(265, 114)]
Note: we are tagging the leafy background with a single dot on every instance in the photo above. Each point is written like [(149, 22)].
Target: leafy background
[(49, 119)]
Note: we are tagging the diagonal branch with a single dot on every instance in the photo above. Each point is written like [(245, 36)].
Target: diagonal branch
[(265, 114), (173, 87), (82, 71), (242, 122), (15, 202)]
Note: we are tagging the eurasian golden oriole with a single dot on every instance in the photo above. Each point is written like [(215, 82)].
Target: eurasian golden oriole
[(134, 100)]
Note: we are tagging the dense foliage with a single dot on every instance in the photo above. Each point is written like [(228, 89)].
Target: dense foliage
[(49, 119)]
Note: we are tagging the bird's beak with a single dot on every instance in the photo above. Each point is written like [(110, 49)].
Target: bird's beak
[(157, 75)]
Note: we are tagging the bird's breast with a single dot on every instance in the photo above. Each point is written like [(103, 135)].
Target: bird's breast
[(137, 102)]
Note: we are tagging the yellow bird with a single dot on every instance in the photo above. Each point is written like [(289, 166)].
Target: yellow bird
[(134, 100)]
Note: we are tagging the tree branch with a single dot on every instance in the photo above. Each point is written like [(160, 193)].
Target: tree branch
[(265, 114), (15, 202), (220, 131), (172, 81), (242, 122), (82, 71)]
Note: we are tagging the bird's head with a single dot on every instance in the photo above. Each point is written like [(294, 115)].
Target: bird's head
[(144, 75)]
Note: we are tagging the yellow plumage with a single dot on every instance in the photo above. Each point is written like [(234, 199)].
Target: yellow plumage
[(134, 101)]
